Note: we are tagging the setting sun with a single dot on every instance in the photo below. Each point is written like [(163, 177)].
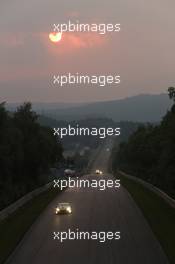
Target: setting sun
[(55, 37)]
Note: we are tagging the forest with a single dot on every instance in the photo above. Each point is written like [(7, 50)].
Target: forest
[(27, 151), (149, 153)]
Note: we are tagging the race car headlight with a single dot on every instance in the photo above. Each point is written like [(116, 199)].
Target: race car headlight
[(69, 209), (57, 210)]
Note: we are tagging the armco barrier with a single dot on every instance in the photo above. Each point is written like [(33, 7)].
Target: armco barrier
[(151, 187), (13, 207)]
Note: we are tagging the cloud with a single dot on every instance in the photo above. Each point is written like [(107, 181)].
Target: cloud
[(73, 42)]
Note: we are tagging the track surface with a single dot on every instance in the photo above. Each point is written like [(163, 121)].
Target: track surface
[(93, 210)]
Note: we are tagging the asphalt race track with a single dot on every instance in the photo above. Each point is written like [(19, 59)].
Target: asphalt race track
[(93, 210)]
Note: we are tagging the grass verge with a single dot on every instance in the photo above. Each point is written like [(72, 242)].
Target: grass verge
[(160, 216), (15, 226)]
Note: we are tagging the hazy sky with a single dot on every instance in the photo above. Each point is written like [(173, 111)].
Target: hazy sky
[(142, 53)]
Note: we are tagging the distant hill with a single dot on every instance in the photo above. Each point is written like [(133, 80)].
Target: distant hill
[(140, 108), (45, 106)]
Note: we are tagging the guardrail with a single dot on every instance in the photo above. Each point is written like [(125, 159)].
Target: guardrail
[(151, 187), (20, 202)]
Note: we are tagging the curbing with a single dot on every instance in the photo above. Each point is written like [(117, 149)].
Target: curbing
[(151, 187), (20, 202)]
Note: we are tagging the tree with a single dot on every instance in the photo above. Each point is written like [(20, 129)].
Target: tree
[(171, 91), (150, 152), (27, 151)]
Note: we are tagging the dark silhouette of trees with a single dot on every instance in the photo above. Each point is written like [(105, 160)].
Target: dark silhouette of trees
[(27, 151), (150, 152), (171, 91)]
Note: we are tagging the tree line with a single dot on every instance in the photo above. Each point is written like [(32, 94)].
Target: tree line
[(149, 152), (27, 151), (127, 128)]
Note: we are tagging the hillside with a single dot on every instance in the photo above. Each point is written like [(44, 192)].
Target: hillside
[(140, 108)]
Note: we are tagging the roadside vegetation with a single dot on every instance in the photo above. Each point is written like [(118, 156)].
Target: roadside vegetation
[(149, 153), (27, 151), (16, 225), (158, 213)]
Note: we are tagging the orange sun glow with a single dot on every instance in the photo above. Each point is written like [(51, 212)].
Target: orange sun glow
[(55, 37)]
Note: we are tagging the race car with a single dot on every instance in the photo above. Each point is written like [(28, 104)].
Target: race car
[(63, 208), (99, 172)]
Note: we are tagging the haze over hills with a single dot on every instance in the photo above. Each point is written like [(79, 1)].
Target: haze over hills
[(140, 108), (39, 106)]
